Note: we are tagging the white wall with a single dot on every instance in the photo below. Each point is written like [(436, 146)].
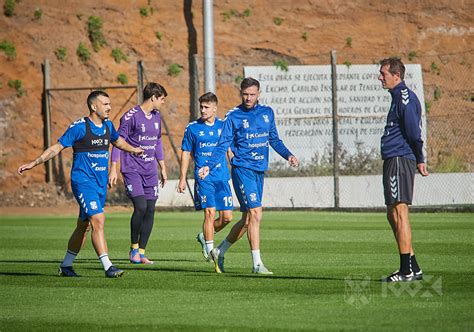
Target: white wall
[(355, 191)]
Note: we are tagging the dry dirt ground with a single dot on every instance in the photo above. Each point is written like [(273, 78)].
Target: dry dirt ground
[(247, 32)]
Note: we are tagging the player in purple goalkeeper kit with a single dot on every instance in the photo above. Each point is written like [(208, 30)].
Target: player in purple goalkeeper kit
[(141, 126)]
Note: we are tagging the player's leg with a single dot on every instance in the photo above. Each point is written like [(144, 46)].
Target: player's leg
[(398, 180), (136, 221), (145, 231), (97, 222), (74, 246), (225, 217), (208, 228), (150, 189), (135, 191)]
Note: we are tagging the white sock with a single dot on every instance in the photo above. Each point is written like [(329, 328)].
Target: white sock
[(223, 247), (69, 258), (104, 259), (209, 246), (257, 260)]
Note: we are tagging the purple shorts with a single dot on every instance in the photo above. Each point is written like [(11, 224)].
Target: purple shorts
[(141, 185)]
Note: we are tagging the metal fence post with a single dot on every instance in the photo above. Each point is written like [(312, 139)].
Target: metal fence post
[(139, 82), (335, 131), (47, 118)]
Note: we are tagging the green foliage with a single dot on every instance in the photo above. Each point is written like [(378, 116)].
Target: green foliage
[(38, 13), (229, 14), (437, 93), (277, 20), (9, 8), (83, 52), (122, 78), (411, 55), (349, 41), (94, 27), (61, 53), (144, 11), (304, 36), (9, 49), (238, 79), (175, 69), (159, 35), (118, 55), (247, 12), (347, 63), (451, 163), (18, 86), (428, 105), (281, 64), (435, 69)]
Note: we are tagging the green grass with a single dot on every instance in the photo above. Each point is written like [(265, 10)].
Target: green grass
[(311, 254)]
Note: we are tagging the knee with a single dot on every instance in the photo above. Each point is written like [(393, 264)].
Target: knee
[(209, 215)]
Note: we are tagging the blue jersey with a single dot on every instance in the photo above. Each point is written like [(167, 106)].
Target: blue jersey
[(200, 139), (402, 134), (90, 158), (249, 132)]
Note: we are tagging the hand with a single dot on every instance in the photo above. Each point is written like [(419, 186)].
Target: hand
[(112, 177), (181, 186), (422, 169), (293, 161), (203, 172), (26, 167), (164, 177), (137, 151)]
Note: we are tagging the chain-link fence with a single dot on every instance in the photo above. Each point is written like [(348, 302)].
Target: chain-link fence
[(448, 95)]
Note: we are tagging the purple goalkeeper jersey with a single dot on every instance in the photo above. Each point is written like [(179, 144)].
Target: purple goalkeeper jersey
[(142, 131)]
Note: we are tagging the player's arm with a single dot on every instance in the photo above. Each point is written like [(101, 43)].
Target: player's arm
[(124, 146), (47, 154), (412, 125), (277, 144), (164, 174), (183, 169)]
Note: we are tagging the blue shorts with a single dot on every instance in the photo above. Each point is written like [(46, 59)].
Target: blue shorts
[(212, 194), (248, 186), (91, 199)]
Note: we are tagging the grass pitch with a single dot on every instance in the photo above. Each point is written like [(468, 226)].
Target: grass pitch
[(327, 268)]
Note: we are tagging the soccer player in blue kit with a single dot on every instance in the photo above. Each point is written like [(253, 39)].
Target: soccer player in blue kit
[(212, 193), (402, 154), (249, 129), (90, 138)]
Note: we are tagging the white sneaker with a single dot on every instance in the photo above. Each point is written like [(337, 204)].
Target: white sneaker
[(215, 258), (261, 269), (202, 242)]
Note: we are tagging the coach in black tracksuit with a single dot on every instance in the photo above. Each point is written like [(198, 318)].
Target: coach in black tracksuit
[(402, 153)]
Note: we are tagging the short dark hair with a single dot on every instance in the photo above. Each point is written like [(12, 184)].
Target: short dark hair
[(208, 97), (153, 89), (395, 65), (93, 96), (248, 82)]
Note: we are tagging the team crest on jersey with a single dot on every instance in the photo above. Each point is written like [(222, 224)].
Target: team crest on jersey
[(219, 131), (245, 123), (143, 127), (201, 133), (253, 197), (157, 125), (94, 205), (130, 188), (265, 118)]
